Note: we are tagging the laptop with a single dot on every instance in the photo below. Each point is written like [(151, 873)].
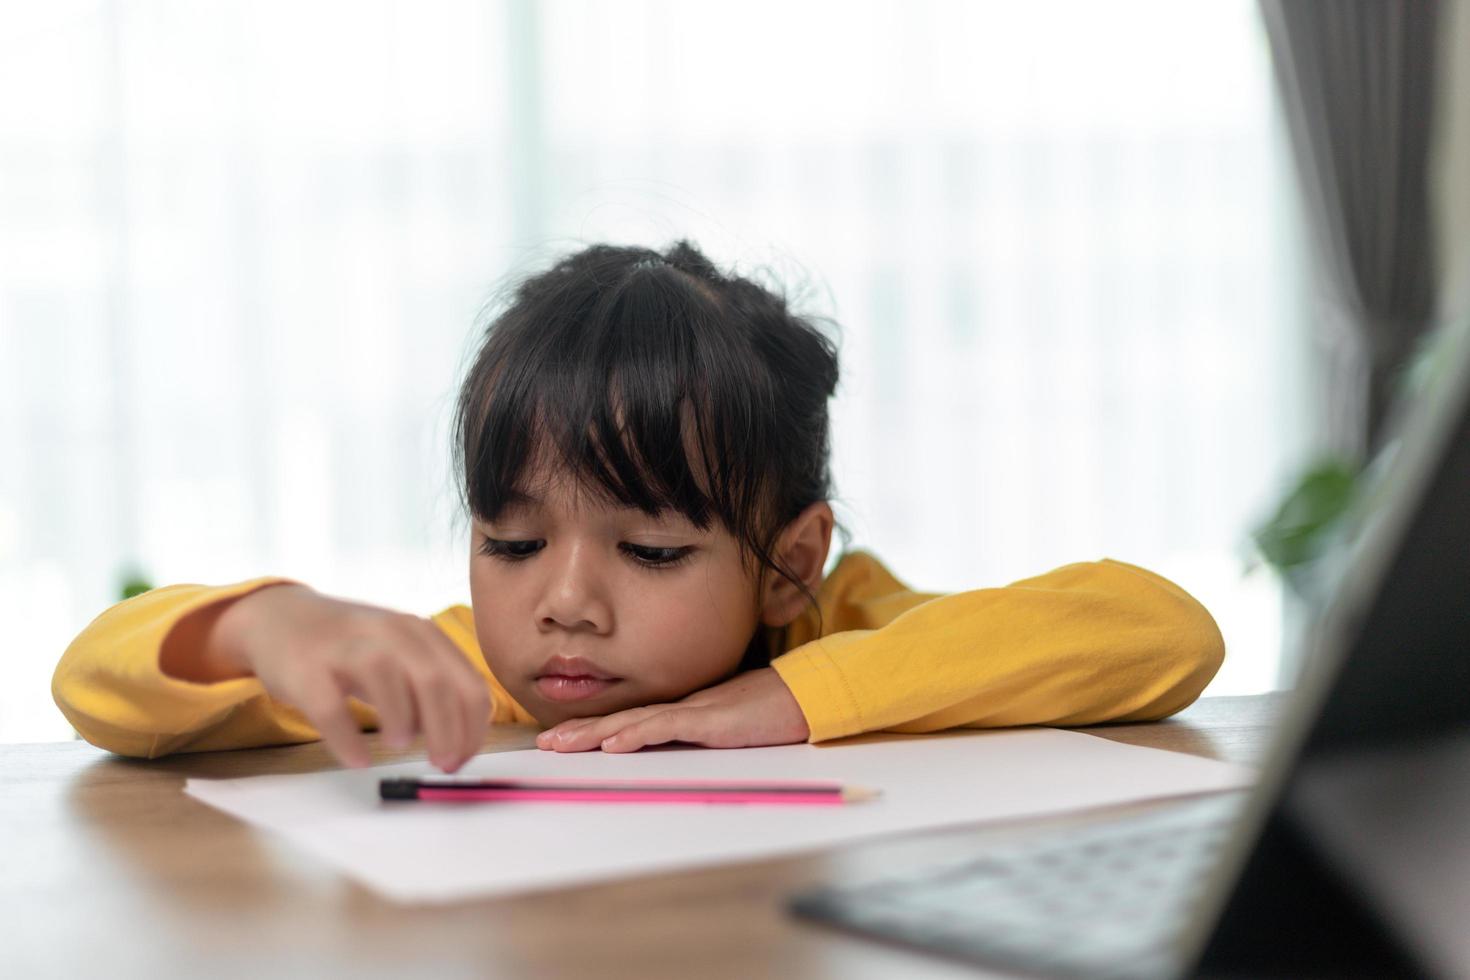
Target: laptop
[(1351, 855)]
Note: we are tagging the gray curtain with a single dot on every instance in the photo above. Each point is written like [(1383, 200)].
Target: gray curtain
[(1357, 79)]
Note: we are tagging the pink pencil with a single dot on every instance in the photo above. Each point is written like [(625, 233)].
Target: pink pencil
[(453, 789)]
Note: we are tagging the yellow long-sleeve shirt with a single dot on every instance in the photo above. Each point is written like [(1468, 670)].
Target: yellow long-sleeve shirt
[(1084, 643)]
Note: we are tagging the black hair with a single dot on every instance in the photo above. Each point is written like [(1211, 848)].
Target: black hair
[(659, 383)]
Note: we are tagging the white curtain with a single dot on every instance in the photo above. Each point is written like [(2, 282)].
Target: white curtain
[(243, 247)]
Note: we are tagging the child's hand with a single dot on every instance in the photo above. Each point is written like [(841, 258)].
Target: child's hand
[(313, 651), (755, 708)]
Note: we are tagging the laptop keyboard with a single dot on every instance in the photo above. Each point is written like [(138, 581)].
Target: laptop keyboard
[(1099, 901)]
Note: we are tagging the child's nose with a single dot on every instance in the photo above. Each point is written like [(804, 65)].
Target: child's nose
[(575, 596)]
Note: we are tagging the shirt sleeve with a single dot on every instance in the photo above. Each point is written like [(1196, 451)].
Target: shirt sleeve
[(109, 685), (1082, 644)]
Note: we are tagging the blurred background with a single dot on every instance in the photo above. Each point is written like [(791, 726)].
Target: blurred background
[(245, 249)]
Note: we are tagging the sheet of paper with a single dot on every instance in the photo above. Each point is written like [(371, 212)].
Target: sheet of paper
[(436, 852)]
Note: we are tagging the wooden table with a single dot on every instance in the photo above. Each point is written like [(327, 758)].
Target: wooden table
[(108, 869)]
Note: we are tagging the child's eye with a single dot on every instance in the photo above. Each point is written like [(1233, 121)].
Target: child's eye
[(656, 557), (511, 550)]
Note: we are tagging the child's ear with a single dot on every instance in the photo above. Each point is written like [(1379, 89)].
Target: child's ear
[(802, 548)]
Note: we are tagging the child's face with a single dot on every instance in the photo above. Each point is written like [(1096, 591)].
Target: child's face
[(610, 608)]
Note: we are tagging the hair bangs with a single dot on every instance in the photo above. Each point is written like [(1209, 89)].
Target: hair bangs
[(633, 392)]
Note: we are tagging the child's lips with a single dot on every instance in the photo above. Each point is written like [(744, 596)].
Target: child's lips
[(562, 687), (574, 667), (572, 679)]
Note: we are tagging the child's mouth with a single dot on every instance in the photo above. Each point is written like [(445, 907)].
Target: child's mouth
[(564, 687)]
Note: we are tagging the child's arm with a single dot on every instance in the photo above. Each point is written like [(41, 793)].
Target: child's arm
[(268, 662), (1082, 644)]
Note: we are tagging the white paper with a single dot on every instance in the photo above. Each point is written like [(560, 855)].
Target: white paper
[(436, 852)]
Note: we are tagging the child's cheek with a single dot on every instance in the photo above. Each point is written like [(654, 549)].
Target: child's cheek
[(687, 646)]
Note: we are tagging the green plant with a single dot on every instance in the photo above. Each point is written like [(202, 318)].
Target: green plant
[(1315, 512), (1307, 520), (133, 583)]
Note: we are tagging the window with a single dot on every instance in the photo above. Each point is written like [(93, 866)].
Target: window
[(242, 249)]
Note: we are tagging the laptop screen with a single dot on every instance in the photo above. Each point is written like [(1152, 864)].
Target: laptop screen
[(1387, 670)]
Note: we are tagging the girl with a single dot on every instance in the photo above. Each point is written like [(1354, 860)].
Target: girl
[(642, 442)]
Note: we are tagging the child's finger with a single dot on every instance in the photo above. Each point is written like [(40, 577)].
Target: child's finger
[(469, 688), (589, 736), (452, 654), (386, 689), (674, 725), (324, 703), (565, 728), (431, 681), (439, 713)]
